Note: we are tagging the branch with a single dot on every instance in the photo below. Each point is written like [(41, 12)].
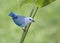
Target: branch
[(27, 27)]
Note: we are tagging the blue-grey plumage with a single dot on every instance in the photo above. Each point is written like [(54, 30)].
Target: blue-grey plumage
[(21, 20)]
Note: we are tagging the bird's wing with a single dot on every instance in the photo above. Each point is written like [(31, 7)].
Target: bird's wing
[(20, 20)]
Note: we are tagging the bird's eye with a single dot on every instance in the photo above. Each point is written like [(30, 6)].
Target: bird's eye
[(29, 19)]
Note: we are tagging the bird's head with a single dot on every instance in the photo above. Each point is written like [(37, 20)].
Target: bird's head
[(29, 20)]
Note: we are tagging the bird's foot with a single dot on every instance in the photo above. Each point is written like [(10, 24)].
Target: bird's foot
[(24, 30)]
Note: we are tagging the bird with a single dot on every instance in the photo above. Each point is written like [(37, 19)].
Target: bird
[(20, 20)]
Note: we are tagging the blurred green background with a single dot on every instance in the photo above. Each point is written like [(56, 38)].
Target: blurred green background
[(45, 29)]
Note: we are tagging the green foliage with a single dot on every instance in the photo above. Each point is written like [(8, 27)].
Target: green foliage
[(46, 2), (39, 3)]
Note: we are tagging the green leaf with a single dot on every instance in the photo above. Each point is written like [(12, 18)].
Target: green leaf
[(39, 3), (46, 2)]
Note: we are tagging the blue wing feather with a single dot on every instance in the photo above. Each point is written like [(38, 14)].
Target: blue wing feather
[(20, 21)]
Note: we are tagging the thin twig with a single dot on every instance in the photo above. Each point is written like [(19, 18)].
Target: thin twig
[(25, 32), (27, 27), (34, 3), (35, 12)]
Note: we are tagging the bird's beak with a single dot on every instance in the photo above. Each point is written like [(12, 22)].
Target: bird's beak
[(33, 20)]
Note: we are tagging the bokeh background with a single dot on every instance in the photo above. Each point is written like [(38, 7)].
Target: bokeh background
[(45, 29)]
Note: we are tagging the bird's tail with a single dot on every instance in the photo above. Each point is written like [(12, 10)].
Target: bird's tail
[(12, 14)]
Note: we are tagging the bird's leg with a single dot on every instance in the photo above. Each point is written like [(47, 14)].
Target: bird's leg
[(23, 29)]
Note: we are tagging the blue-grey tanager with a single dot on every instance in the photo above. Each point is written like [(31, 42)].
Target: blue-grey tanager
[(21, 21)]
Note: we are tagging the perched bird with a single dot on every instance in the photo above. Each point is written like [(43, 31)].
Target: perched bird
[(21, 21)]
